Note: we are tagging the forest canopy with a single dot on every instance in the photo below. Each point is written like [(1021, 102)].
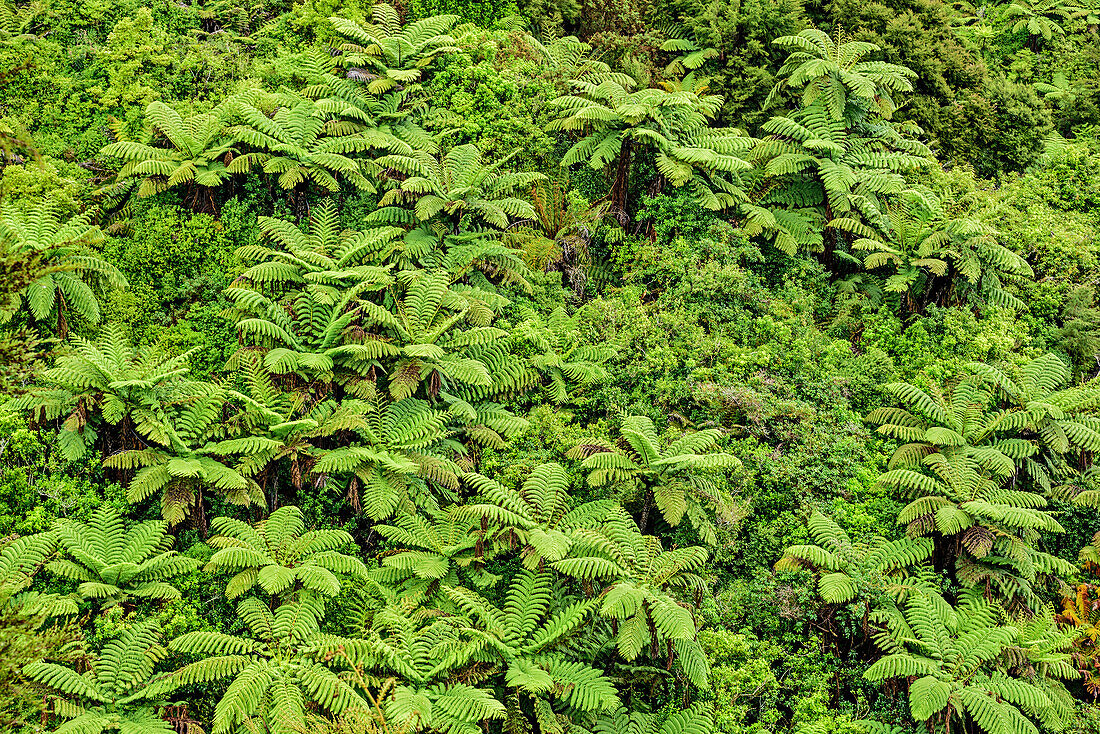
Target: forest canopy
[(549, 366)]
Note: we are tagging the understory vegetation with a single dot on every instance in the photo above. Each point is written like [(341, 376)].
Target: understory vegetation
[(550, 366)]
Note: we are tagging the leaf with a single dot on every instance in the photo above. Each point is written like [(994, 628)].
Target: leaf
[(927, 697)]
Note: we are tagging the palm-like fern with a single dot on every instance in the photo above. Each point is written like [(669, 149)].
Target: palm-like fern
[(955, 660), (982, 266), (21, 348), (692, 55), (73, 272), (845, 565), (993, 532), (1061, 90), (384, 122), (426, 656), (399, 451), (120, 692), (109, 382), (956, 424), (568, 56), (194, 151), (459, 189), (1040, 19), (15, 21), (525, 635), (320, 256), (1089, 556), (539, 517), (20, 559), (275, 426), (643, 582), (301, 299), (954, 462), (615, 120), (280, 556), (563, 228), (114, 563), (939, 259), (916, 248), (429, 554), (673, 475), (823, 162), (1047, 411), (958, 420), (696, 719), (301, 303), (1042, 652), (274, 674), (393, 55), (480, 255), (837, 73), (32, 626), (178, 465), (440, 339), (292, 144)]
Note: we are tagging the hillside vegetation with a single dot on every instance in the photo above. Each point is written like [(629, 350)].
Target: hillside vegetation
[(549, 367)]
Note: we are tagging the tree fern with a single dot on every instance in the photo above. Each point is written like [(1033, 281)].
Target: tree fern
[(291, 145), (958, 661), (614, 120), (280, 556), (191, 151), (73, 270), (539, 518), (1080, 616), (845, 566), (459, 207), (524, 636), (113, 562), (939, 259), (391, 55), (696, 719), (957, 453), (276, 428), (273, 674), (398, 461), (436, 332), (425, 655), (20, 560), (643, 584), (428, 554), (672, 474), (1042, 408), (119, 692), (815, 165), (103, 391), (300, 302), (178, 464), (836, 73)]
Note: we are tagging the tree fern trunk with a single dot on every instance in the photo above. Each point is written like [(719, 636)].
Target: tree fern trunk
[(647, 505), (829, 236), (620, 186), (198, 514), (653, 650), (62, 323)]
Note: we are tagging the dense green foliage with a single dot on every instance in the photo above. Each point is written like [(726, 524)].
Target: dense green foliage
[(648, 366)]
